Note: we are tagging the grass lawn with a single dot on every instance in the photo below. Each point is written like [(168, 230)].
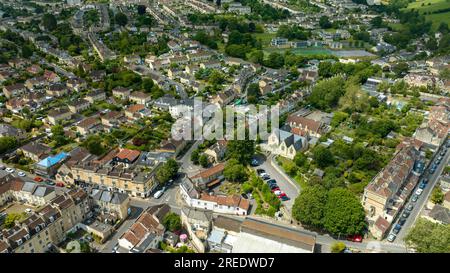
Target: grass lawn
[(266, 38), (299, 51), (425, 6)]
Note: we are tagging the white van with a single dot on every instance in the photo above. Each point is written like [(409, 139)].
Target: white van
[(158, 194)]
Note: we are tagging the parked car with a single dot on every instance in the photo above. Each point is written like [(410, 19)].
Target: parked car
[(2, 167), (391, 237), (409, 208), (89, 238), (271, 181), (158, 194), (405, 214), (401, 221), (28, 210), (10, 170), (49, 182), (275, 189), (21, 174), (60, 184), (266, 177), (281, 194), (272, 186), (254, 162), (355, 238), (422, 185), (419, 191), (396, 229), (414, 198), (277, 192), (38, 179), (285, 198), (260, 171)]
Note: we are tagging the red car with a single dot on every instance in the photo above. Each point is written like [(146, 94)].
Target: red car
[(60, 184), (355, 238), (282, 194), (275, 189), (38, 179)]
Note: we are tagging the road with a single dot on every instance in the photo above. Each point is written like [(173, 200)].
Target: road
[(423, 198)]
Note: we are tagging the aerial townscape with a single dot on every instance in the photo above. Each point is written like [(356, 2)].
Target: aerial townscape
[(95, 94)]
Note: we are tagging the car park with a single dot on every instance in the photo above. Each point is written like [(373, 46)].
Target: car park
[(391, 237), (21, 174)]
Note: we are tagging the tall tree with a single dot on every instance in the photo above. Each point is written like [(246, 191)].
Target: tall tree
[(49, 22), (344, 213), (309, 206), (121, 19)]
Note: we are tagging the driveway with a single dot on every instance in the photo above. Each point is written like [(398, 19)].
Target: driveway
[(286, 184)]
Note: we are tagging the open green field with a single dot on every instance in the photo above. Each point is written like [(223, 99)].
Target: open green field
[(427, 6), (265, 38), (299, 51)]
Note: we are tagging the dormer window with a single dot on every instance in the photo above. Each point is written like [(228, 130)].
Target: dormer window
[(51, 219), (19, 242), (38, 229), (27, 237)]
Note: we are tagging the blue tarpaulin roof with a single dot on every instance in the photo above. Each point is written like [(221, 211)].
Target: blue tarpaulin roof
[(52, 160)]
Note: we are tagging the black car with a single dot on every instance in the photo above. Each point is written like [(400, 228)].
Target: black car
[(273, 186), (401, 221), (260, 171), (405, 214)]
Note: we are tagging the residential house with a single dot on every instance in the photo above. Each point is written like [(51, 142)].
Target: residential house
[(115, 203), (48, 166), (121, 92), (76, 84), (35, 150), (79, 105), (87, 126), (147, 232), (111, 119), (136, 111), (57, 90), (96, 95), (7, 130), (217, 151), (209, 177), (56, 115), (388, 190), (14, 90), (198, 225), (51, 77), (140, 97)]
